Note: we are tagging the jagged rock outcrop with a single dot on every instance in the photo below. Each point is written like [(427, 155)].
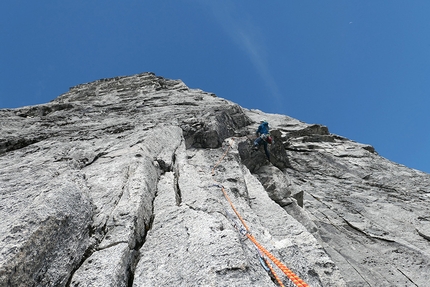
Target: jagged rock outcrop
[(111, 184)]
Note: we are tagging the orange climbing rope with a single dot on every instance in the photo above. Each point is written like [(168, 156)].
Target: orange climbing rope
[(291, 275), (234, 209), (274, 273)]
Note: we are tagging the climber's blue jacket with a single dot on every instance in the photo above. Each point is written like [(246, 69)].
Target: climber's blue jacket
[(263, 128)]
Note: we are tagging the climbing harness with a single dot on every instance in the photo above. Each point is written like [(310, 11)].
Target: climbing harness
[(243, 229)]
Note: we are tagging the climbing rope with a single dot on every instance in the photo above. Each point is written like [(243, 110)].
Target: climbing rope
[(246, 232), (272, 271), (290, 274)]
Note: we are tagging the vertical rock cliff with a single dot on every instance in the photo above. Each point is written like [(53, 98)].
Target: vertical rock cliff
[(119, 182)]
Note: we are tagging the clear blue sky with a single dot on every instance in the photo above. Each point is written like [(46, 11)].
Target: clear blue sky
[(362, 68)]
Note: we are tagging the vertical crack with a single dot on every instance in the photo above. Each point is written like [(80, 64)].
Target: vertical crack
[(177, 188), (95, 236), (139, 242), (176, 180), (134, 254), (88, 252), (163, 167)]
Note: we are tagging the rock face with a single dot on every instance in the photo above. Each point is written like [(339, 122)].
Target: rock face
[(118, 183)]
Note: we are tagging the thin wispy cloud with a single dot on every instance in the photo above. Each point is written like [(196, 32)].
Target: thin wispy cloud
[(249, 37)]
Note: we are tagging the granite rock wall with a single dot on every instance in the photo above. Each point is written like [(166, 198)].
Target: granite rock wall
[(116, 183)]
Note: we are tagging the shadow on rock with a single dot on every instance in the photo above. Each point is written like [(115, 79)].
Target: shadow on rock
[(255, 159)]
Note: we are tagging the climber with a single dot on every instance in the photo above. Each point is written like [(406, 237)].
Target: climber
[(263, 137)]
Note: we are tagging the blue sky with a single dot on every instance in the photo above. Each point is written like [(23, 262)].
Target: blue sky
[(362, 68)]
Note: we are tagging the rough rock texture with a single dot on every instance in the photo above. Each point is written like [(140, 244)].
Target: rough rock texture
[(111, 184)]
